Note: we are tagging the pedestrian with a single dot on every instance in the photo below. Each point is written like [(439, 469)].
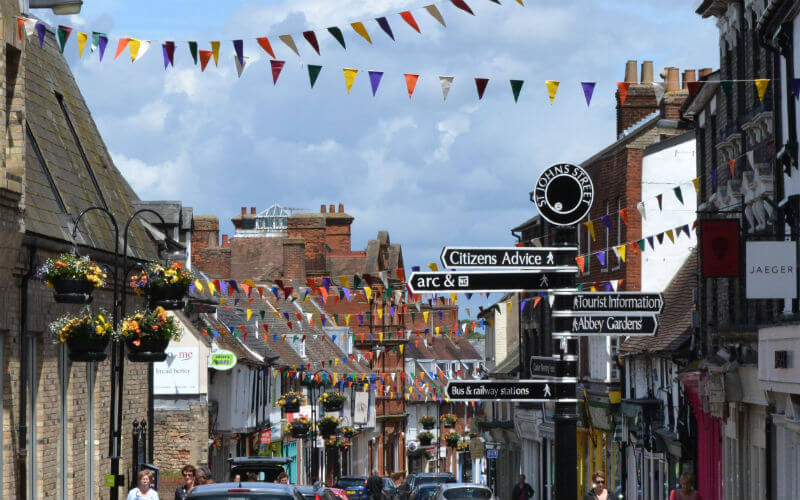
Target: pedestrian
[(204, 475), (283, 478), (375, 486), (237, 478), (522, 490), (143, 491), (189, 474), (686, 491), (598, 491)]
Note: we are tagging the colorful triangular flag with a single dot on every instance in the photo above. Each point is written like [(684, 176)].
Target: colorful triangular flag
[(313, 73), (411, 83), (338, 35), (359, 28), (277, 67), (516, 88), (588, 91), (446, 82), (552, 89), (349, 77), (480, 84)]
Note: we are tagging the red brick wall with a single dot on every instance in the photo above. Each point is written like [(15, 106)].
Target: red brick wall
[(214, 262), (640, 102), (205, 232), (671, 104), (311, 228), (337, 234), (294, 259), (256, 258)]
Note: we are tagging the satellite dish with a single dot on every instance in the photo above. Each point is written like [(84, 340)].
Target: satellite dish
[(412, 446)]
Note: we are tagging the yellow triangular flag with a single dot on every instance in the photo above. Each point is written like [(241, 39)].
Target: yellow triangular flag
[(433, 267), (621, 252), (249, 314), (436, 329), (590, 226), (380, 313), (368, 292), (670, 235), (347, 320), (425, 316), (345, 281), (289, 41), (211, 288), (380, 336), (249, 283), (81, 43), (222, 300), (198, 285), (349, 77), (359, 28), (454, 297), (401, 348), (520, 2), (133, 45), (552, 88), (761, 87), (696, 183), (508, 307), (215, 52)]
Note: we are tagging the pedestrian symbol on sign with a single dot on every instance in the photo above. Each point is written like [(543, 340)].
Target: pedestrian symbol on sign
[(543, 281), (547, 390)]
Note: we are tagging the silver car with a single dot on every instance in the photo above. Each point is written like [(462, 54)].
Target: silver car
[(463, 491)]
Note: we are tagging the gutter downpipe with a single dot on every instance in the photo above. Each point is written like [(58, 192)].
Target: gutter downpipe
[(22, 454)]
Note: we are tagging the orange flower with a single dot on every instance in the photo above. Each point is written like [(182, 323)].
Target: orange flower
[(137, 342)]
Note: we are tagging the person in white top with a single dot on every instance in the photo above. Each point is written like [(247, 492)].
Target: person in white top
[(143, 491)]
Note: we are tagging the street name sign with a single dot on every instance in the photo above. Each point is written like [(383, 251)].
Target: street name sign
[(623, 325), (530, 391), (608, 303), (541, 258), (563, 194), (491, 281), (542, 366)]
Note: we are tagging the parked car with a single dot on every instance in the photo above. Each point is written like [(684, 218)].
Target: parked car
[(390, 490), (265, 469), (244, 491), (414, 480), (463, 491), (424, 491), (324, 493), (354, 486)]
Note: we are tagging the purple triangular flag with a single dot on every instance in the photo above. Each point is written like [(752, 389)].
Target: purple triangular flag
[(795, 84), (607, 221), (608, 287), (714, 178), (166, 56), (686, 229), (102, 41), (601, 257), (41, 29), (238, 46), (522, 305), (588, 90), (650, 241), (384, 24), (375, 80)]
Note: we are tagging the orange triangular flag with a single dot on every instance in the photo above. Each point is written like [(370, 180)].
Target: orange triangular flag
[(121, 45), (581, 261), (411, 83), (622, 90), (623, 214), (732, 167), (407, 17), (205, 56), (264, 43)]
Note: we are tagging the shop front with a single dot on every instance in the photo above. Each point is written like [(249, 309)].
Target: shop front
[(701, 390)]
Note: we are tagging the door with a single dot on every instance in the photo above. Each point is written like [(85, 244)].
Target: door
[(290, 451)]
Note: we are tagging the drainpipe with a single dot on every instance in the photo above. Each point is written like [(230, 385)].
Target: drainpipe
[(22, 454)]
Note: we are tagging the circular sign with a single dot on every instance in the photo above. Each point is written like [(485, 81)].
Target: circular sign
[(222, 360), (563, 194)]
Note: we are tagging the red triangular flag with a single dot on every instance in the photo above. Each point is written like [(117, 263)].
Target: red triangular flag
[(277, 66), (461, 4), (205, 56), (481, 83), (264, 42), (21, 23), (732, 167), (311, 38), (623, 214), (622, 90), (411, 83), (581, 261), (693, 88), (407, 17)]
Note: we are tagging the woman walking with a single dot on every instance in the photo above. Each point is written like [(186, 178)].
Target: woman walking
[(686, 491), (143, 491)]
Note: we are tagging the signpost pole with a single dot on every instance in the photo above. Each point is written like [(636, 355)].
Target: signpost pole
[(565, 419)]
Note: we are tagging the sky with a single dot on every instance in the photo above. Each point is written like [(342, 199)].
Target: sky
[(429, 171)]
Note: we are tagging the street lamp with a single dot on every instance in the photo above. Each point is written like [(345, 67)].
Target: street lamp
[(314, 404)]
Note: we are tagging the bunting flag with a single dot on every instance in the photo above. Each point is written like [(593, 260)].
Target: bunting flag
[(121, 45), (384, 25), (601, 257), (313, 73), (696, 184), (590, 227), (276, 66), (240, 65), (411, 83), (311, 38), (409, 18), (102, 42), (215, 52), (794, 84), (588, 91), (434, 12), (623, 215), (693, 87), (659, 197), (20, 25), (516, 88), (289, 42), (641, 209), (727, 86), (659, 89), (622, 91), (205, 56), (480, 84), (732, 167), (375, 80), (41, 29), (446, 82), (359, 28), (607, 221), (133, 46), (62, 34), (82, 37), (581, 261), (238, 47), (264, 43), (461, 4), (670, 235), (714, 178), (193, 51), (552, 88), (761, 88), (620, 251), (169, 50), (678, 193), (433, 267), (349, 77)]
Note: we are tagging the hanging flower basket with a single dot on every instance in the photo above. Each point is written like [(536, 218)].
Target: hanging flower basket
[(449, 420), (425, 438), (349, 432), (328, 425), (298, 427), (86, 336), (332, 401), (290, 401), (343, 444), (164, 286), (452, 439), (427, 422), (147, 335), (462, 446), (72, 278)]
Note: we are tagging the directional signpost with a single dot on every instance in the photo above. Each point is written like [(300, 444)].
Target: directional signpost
[(624, 325), (624, 314), (491, 281), (604, 303), (540, 258), (542, 366), (524, 391)]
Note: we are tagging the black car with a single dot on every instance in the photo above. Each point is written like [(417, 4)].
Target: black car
[(261, 469), (414, 480)]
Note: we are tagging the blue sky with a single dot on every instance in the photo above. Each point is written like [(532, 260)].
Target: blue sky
[(432, 173)]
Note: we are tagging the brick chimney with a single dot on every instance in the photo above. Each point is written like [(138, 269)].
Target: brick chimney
[(294, 259), (322, 208), (252, 210), (332, 208), (671, 76), (675, 93), (640, 101), (341, 208), (224, 241), (704, 72), (688, 76), (244, 210)]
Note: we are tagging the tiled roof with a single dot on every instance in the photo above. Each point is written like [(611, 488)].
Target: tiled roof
[(675, 320), (226, 341), (442, 348)]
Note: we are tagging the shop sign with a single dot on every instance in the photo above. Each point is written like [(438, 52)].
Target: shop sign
[(266, 436), (491, 453), (771, 270), (222, 360), (179, 373), (361, 414)]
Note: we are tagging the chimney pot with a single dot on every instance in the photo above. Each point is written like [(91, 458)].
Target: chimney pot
[(341, 208), (332, 209), (689, 75), (647, 72), (630, 72), (705, 72), (224, 241), (244, 210), (672, 78), (253, 210), (322, 208)]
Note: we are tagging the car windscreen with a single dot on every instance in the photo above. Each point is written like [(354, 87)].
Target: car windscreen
[(435, 479), (426, 492), (467, 493), (349, 482)]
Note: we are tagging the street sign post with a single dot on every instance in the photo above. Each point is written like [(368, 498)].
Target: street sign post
[(563, 194), (567, 324), (527, 391), (608, 303), (491, 281), (542, 366), (540, 258)]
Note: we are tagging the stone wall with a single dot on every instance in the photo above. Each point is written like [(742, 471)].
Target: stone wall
[(184, 440)]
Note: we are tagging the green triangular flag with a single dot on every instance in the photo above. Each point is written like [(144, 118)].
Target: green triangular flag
[(727, 86), (337, 34), (678, 194), (516, 87), (641, 244), (580, 287), (193, 50), (313, 73), (63, 35), (262, 314), (356, 281)]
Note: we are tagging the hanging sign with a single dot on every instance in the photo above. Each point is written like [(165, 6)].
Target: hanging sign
[(492, 281), (771, 270), (623, 325), (540, 258), (563, 194), (608, 303), (543, 366), (530, 391), (222, 360)]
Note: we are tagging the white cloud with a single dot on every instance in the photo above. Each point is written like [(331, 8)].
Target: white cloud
[(161, 181), (327, 146)]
